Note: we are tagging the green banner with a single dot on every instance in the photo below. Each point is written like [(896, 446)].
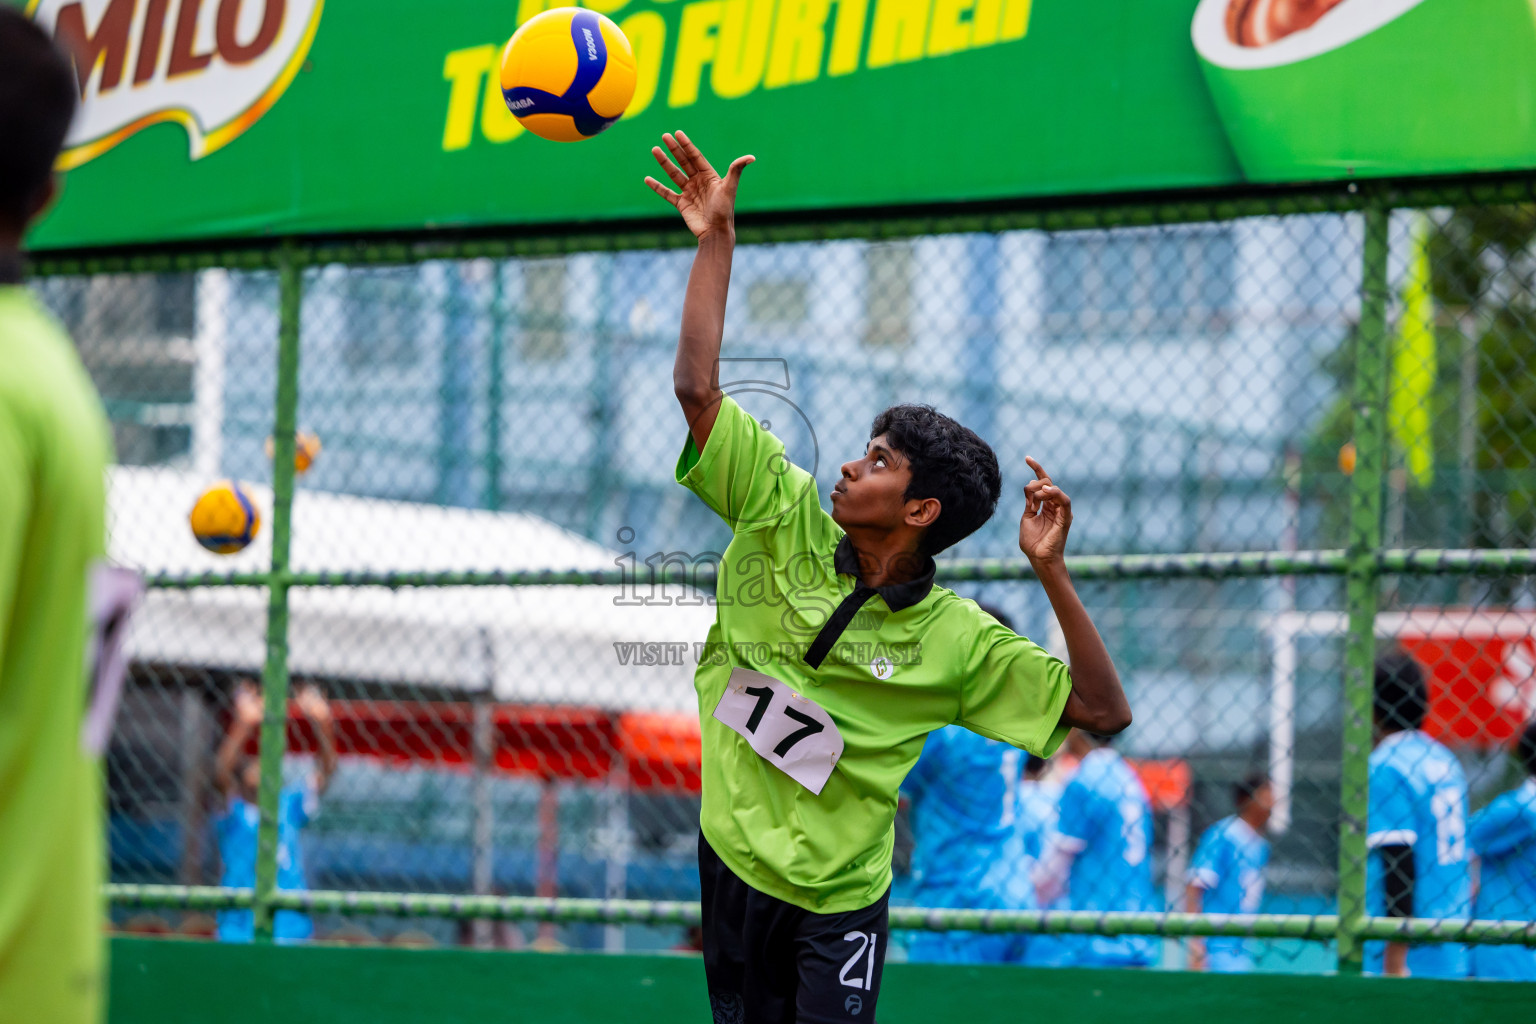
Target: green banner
[(238, 118), (170, 981)]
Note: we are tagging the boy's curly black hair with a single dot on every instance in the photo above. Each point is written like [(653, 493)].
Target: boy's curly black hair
[(1401, 699), (1525, 748), (1244, 788), (948, 462)]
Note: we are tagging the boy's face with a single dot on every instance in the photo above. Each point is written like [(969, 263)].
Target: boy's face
[(1263, 804), (873, 488)]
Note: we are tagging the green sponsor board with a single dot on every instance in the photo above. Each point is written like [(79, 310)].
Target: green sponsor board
[(170, 981), (1377, 87), (242, 118)]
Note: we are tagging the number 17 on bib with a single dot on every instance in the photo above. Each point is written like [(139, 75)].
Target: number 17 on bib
[(789, 731)]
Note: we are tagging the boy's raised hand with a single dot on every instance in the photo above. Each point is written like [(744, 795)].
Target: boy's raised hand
[(1047, 517), (249, 709), (313, 703), (706, 200)]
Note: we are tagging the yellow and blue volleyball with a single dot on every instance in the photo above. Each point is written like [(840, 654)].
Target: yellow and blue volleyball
[(306, 449), (567, 74), (225, 518)]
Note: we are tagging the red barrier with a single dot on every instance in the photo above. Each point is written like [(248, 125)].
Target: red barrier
[(656, 751)]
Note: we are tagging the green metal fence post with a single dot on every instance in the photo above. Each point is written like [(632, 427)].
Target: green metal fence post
[(496, 358), (599, 470), (1361, 580), (274, 677)]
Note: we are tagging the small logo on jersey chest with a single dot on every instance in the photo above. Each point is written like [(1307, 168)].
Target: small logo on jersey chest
[(882, 667)]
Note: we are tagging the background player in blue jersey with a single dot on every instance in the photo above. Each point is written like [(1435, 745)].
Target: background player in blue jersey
[(966, 849), (1103, 853), (1227, 876), (1034, 822), (1503, 837), (239, 777), (1417, 827)]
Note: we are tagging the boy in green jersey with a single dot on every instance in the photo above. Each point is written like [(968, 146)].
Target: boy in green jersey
[(54, 447), (807, 733)]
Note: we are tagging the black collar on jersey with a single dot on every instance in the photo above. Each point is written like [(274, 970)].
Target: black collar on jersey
[(10, 267), (897, 596)]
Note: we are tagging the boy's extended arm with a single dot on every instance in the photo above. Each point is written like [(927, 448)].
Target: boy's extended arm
[(695, 375), (707, 203), (1194, 899), (1097, 702), (318, 710), (245, 720), (229, 753), (1053, 869), (1398, 881)]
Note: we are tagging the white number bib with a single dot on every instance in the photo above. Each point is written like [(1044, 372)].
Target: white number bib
[(789, 731)]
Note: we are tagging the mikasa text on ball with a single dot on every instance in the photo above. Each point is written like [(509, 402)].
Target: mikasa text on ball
[(567, 74)]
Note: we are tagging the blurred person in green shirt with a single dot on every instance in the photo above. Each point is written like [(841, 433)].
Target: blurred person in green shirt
[(54, 447)]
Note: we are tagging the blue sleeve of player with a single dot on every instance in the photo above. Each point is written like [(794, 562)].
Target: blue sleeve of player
[(1391, 821), (1034, 843), (1500, 829), (1210, 859), (224, 823), (1076, 818), (299, 802)]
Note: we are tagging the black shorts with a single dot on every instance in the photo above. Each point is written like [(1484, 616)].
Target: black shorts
[(770, 962)]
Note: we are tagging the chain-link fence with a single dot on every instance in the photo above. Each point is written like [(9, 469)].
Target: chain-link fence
[(1279, 422)]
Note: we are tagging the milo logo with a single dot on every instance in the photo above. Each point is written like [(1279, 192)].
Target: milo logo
[(212, 66), (1261, 22), (1310, 89)]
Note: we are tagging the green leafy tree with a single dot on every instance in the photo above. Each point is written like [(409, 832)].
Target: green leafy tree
[(1483, 403)]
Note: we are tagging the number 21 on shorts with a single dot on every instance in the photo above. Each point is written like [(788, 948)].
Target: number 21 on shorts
[(791, 732), (865, 978)]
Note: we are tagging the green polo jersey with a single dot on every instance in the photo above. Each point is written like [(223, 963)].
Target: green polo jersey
[(54, 446), (893, 676)]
